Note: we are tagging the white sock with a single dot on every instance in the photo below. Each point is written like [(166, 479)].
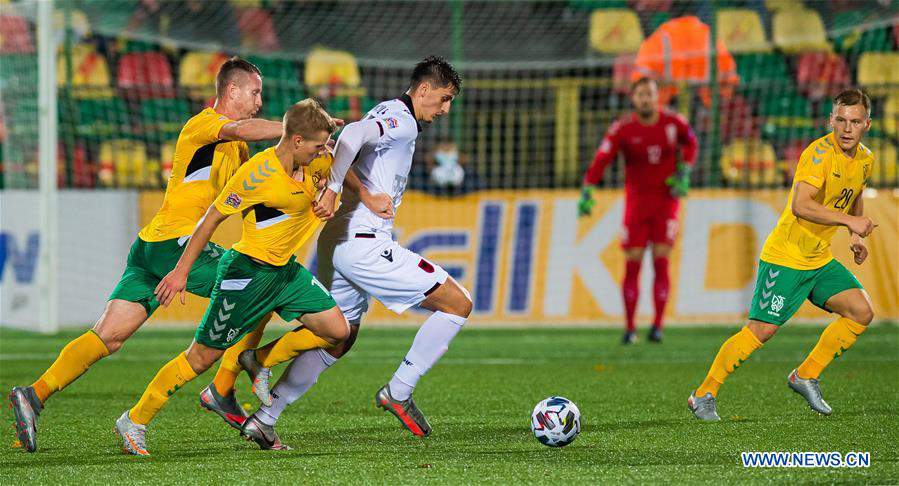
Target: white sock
[(302, 373), (430, 343)]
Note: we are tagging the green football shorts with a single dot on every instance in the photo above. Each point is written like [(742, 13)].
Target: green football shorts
[(148, 262), (246, 291), (779, 290)]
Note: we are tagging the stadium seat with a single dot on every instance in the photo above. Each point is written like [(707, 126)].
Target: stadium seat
[(761, 68), (90, 73), (621, 73), (821, 74), (891, 116), (886, 162), (799, 30), (878, 72), (282, 85), (165, 116), (326, 67), (741, 30), (123, 163), (197, 73), (15, 35), (102, 118), (896, 34), (790, 158), (257, 31), (615, 31), (81, 169), (145, 75), (749, 162), (781, 5)]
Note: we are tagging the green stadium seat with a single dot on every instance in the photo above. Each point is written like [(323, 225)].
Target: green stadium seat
[(615, 31), (165, 116), (282, 72), (799, 30), (761, 67), (857, 41), (741, 30), (276, 101), (102, 118), (784, 104)]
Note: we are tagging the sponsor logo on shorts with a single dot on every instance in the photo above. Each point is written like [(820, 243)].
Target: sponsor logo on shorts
[(233, 200), (231, 335), (777, 303)]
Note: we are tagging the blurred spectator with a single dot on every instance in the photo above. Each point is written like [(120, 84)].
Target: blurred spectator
[(445, 166), (677, 53)]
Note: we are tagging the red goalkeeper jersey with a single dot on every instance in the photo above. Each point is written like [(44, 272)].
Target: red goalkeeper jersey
[(650, 153)]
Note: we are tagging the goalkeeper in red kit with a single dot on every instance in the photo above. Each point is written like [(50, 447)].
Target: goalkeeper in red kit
[(659, 148)]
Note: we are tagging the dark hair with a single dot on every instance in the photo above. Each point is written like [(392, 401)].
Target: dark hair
[(644, 80), (229, 69), (852, 97), (436, 71)]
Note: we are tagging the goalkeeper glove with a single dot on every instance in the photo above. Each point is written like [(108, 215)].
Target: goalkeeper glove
[(586, 203), (680, 181)]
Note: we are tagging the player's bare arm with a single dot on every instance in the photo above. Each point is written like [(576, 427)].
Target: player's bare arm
[(856, 243), (176, 280), (251, 130), (805, 207)]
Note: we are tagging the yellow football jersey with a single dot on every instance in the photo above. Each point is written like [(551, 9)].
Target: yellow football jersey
[(277, 209), (202, 164), (803, 245)]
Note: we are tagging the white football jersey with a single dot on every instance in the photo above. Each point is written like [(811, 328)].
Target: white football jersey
[(382, 168)]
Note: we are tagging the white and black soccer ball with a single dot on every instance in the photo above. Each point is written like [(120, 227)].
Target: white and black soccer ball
[(556, 422)]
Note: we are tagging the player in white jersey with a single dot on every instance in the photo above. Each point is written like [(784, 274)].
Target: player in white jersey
[(358, 259)]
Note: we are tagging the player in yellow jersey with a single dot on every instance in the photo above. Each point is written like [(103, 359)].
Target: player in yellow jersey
[(797, 264), (275, 192), (210, 148)]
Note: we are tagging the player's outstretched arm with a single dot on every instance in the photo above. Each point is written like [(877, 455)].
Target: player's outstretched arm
[(805, 207), (251, 130), (352, 139), (856, 244), (176, 280)]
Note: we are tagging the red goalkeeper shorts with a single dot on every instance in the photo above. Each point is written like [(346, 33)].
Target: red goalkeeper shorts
[(648, 221)]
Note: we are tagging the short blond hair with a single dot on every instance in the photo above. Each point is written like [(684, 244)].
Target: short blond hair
[(306, 118)]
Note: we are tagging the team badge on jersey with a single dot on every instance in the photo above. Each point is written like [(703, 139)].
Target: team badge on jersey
[(233, 200), (392, 122)]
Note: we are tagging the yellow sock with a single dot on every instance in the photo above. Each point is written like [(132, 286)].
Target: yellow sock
[(73, 361), (288, 346), (167, 381), (839, 336), (733, 352), (229, 370)]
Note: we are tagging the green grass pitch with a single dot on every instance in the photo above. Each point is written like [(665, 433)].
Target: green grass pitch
[(636, 427)]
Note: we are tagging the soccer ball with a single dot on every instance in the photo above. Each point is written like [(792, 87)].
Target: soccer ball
[(556, 422)]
